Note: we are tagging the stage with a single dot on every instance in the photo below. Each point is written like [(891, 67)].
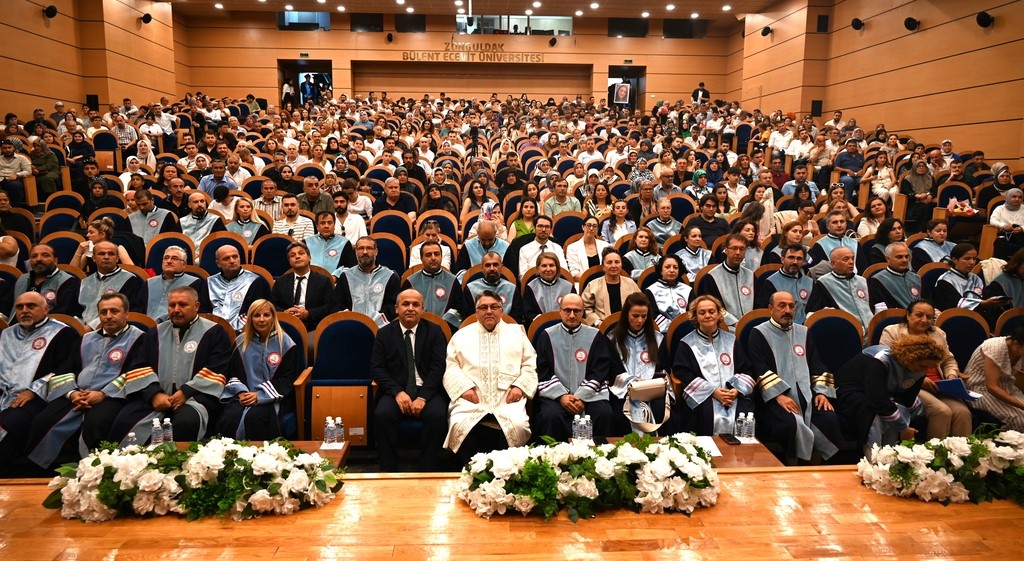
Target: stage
[(762, 513)]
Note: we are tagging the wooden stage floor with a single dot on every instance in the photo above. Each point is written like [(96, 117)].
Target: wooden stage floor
[(794, 513)]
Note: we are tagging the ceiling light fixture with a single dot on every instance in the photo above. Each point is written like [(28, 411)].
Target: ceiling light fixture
[(341, 8), (594, 5), (529, 12), (219, 6), (694, 15), (670, 7), (321, 1), (645, 14), (458, 2), (400, 2), (410, 9), (726, 8), (536, 4), (288, 7), (579, 13), (461, 11)]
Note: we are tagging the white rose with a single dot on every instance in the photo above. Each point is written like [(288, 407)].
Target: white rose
[(150, 481), (265, 463), (261, 501), (1011, 437), (143, 503)]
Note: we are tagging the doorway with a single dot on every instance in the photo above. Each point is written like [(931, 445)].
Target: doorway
[(627, 86), (311, 80)]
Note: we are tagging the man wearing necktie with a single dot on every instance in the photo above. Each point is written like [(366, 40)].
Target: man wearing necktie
[(408, 364), (302, 292)]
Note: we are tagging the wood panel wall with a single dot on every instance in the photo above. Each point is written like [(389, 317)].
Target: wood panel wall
[(41, 58), (458, 79)]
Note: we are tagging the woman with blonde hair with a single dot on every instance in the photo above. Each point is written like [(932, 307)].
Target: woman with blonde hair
[(261, 374), (247, 221), (878, 389), (101, 230)]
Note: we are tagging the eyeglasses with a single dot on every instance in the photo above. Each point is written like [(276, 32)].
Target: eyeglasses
[(491, 307), (291, 231), (172, 258), (572, 311)]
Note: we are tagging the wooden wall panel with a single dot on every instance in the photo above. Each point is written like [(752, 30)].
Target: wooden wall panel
[(39, 57), (462, 79)]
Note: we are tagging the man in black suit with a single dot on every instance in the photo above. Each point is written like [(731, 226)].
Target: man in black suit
[(409, 392), (303, 293)]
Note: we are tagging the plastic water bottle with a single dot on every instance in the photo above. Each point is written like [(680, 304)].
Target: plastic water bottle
[(158, 434), (739, 429), (339, 436), (131, 440), (328, 430), (168, 430), (577, 428), (588, 429), (751, 425)]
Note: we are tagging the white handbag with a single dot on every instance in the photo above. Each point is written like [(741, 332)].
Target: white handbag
[(647, 391)]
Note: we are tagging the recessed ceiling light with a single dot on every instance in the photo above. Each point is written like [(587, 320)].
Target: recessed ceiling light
[(529, 12), (645, 14), (536, 4), (410, 9), (219, 6), (594, 5), (400, 2), (458, 2), (288, 7), (461, 10), (618, 36), (670, 7), (726, 8), (694, 15), (321, 1), (579, 12), (341, 8)]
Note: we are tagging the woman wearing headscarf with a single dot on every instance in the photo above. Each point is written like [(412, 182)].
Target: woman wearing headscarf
[(1002, 181), (920, 189), (45, 168), (145, 153), (640, 173), (1009, 218), (700, 185)]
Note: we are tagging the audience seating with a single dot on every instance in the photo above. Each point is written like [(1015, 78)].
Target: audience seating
[(838, 334), (966, 330)]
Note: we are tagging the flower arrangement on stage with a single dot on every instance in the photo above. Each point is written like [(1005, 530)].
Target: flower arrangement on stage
[(219, 478), (638, 472), (950, 470)]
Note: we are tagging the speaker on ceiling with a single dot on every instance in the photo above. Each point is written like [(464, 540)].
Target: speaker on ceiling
[(857, 24), (911, 24), (766, 31), (50, 11), (985, 19)]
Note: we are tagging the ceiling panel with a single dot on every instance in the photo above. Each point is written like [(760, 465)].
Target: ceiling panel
[(707, 9)]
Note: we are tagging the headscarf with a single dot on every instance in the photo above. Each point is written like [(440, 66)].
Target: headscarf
[(1009, 195), (698, 174), (920, 182), (998, 169)]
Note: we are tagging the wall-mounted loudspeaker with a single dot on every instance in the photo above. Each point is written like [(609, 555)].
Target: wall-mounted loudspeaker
[(390, 37), (985, 19), (552, 42), (50, 11), (857, 24), (911, 24), (766, 31), (146, 18)]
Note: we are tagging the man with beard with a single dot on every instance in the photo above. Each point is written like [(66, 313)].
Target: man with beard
[(795, 389), (731, 282), (234, 289), (368, 288), (791, 279), (327, 249), (59, 288), (442, 294), (150, 220), (173, 275), (199, 223), (494, 281), (347, 224), (108, 279), (292, 224)]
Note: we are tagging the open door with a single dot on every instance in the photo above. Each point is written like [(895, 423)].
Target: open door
[(310, 80)]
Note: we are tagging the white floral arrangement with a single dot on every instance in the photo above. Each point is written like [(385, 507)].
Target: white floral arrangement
[(222, 477), (638, 472), (949, 470)]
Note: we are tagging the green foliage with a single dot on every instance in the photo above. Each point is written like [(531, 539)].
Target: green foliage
[(538, 481)]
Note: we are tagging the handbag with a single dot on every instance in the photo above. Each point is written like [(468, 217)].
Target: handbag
[(647, 391)]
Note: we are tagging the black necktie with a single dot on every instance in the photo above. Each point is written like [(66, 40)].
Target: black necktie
[(410, 362), (298, 289)]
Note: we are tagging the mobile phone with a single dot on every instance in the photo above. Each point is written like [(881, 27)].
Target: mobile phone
[(729, 438)]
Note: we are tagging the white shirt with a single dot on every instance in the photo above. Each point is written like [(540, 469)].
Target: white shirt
[(412, 339), (415, 259), (352, 227), (302, 289), (529, 252)]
